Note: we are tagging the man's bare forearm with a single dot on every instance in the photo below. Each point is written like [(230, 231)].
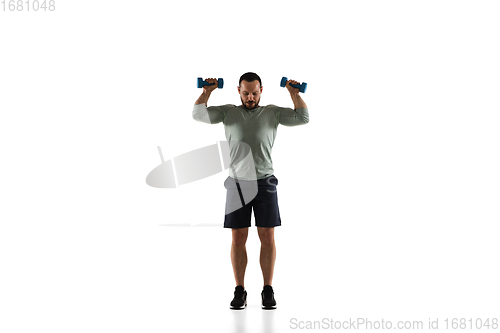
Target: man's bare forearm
[(298, 102), (203, 98)]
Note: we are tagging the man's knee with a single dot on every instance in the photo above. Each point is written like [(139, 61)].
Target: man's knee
[(266, 236), (240, 236)]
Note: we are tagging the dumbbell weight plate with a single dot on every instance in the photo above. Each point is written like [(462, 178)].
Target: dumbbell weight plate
[(283, 82)]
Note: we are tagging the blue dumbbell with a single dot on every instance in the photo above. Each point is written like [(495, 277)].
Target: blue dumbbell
[(201, 83), (302, 87)]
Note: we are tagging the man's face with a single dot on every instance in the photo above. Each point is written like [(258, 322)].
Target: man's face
[(250, 93)]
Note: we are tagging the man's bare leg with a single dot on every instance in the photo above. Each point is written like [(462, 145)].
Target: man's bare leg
[(267, 253), (239, 255)]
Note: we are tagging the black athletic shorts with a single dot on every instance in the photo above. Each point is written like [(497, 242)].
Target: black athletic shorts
[(261, 195)]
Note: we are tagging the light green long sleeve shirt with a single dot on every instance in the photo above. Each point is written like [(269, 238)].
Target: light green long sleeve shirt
[(257, 128)]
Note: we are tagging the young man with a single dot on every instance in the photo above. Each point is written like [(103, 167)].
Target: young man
[(253, 126)]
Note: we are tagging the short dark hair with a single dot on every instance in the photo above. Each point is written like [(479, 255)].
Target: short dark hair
[(250, 77)]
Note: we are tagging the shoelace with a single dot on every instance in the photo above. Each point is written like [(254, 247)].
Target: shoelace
[(268, 294)]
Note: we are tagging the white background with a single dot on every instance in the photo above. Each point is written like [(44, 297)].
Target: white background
[(389, 196)]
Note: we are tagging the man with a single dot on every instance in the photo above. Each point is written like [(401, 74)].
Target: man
[(255, 126)]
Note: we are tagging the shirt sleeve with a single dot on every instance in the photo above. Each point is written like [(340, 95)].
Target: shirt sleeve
[(210, 115), (291, 117)]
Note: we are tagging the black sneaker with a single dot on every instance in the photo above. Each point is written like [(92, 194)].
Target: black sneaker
[(240, 298), (268, 301)]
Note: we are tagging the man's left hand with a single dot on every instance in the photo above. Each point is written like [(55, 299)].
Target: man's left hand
[(291, 89)]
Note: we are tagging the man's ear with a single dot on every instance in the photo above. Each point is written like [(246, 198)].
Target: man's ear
[(239, 90), (261, 89)]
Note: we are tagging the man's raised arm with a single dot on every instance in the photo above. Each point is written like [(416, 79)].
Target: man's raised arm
[(293, 117), (298, 102), (212, 115), (207, 91)]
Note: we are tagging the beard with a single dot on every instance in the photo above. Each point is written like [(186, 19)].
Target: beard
[(252, 106)]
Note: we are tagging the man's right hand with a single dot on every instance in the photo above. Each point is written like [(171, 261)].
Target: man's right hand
[(209, 89)]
